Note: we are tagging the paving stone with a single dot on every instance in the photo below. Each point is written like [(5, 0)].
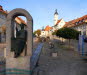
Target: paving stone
[(67, 63)]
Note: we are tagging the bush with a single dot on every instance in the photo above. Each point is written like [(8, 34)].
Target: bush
[(67, 33), (38, 32), (54, 33)]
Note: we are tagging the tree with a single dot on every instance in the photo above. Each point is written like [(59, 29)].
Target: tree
[(37, 32), (67, 33), (54, 33)]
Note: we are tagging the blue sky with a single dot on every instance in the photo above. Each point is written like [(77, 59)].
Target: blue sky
[(42, 11)]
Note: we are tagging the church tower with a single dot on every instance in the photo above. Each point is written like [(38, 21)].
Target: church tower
[(55, 17)]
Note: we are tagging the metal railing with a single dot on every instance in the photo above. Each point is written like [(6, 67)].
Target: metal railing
[(35, 56)]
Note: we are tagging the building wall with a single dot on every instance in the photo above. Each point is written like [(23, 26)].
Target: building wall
[(2, 22), (82, 28), (46, 33), (61, 24), (2, 18), (42, 33)]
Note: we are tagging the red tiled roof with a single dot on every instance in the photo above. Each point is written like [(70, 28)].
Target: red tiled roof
[(79, 21), (58, 21), (5, 12), (47, 28), (1, 10), (21, 20)]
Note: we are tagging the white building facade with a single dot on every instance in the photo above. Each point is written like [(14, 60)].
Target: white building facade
[(80, 24)]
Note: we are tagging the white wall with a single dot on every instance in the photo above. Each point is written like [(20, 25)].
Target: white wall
[(82, 28), (61, 24), (46, 33)]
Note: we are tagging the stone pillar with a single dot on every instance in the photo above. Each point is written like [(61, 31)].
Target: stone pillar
[(22, 62)]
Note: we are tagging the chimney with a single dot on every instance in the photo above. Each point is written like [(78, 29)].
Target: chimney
[(1, 8)]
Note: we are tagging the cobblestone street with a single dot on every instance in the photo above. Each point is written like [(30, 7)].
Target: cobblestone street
[(68, 62)]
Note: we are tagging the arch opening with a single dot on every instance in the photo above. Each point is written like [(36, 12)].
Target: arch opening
[(19, 36), (19, 14)]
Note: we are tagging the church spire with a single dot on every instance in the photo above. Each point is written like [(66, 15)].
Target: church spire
[(56, 13), (55, 17)]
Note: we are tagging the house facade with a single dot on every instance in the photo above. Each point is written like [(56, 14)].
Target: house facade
[(46, 32), (79, 24), (3, 16)]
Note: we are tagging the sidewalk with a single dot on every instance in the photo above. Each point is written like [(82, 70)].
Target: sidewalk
[(68, 62)]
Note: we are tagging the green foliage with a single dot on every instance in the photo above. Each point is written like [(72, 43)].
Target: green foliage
[(67, 33), (34, 35), (54, 33), (37, 32)]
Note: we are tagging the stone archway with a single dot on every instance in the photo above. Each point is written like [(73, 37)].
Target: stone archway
[(26, 59)]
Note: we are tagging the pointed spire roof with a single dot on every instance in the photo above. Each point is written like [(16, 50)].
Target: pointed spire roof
[(56, 12)]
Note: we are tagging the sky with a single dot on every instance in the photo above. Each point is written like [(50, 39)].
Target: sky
[(42, 11)]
